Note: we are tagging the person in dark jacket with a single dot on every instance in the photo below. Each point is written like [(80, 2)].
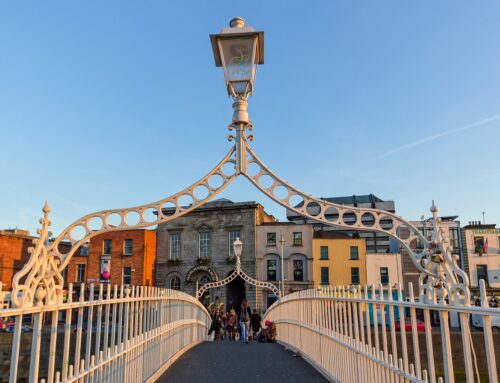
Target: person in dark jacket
[(255, 320), (244, 317)]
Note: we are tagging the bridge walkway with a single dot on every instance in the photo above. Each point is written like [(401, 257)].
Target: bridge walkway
[(236, 362)]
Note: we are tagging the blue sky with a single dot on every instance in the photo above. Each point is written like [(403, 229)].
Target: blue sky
[(115, 104)]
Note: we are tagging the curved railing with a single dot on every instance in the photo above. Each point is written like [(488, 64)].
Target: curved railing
[(107, 335), (355, 335)]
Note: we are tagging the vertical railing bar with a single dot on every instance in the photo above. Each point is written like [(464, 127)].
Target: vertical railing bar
[(97, 356), (35, 347), (78, 344), (67, 333), (392, 325), (402, 325), (488, 336), (414, 333), (16, 343), (90, 315), (428, 341), (52, 346)]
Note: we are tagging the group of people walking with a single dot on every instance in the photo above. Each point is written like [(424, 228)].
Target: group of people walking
[(240, 323)]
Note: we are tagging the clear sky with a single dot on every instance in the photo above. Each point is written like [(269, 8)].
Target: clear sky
[(118, 103)]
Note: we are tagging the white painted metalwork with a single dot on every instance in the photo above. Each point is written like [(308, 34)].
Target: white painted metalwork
[(121, 334), (237, 272), (305, 320), (336, 329)]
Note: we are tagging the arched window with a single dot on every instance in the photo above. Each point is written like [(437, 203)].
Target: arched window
[(175, 283), (205, 279)]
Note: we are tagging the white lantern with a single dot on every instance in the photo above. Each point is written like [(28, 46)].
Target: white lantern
[(238, 49)]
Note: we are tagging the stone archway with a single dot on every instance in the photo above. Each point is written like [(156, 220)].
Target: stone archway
[(235, 292)]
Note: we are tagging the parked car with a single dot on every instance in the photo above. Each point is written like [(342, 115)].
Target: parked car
[(5, 322), (24, 329), (477, 321), (420, 325)]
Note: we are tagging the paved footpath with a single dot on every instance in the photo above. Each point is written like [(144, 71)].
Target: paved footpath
[(235, 362)]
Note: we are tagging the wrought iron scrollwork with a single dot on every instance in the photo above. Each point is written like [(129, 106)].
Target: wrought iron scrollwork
[(43, 272)]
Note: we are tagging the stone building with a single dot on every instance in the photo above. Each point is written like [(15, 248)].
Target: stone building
[(116, 257), (297, 258), (197, 248)]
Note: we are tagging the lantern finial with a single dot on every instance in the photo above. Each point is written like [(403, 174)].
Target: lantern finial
[(237, 22)]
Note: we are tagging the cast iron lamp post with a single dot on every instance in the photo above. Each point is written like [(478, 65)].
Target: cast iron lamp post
[(239, 49)]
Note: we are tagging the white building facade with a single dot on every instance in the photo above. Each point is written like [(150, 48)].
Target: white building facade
[(483, 253), (292, 240), (383, 269)]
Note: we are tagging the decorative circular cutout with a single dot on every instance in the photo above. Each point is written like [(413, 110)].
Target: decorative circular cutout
[(228, 169), (280, 192), (403, 232), (114, 220), (64, 247), (216, 181), (150, 215), (368, 219), (386, 222), (266, 181), (77, 233), (296, 201), (313, 208), (253, 169), (132, 218), (349, 218), (185, 201), (201, 192), (332, 214), (95, 223), (168, 208)]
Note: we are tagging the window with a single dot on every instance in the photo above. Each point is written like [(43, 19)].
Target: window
[(482, 273), (355, 275), (204, 245), (106, 247), (271, 239), (127, 247), (297, 239), (175, 283), (454, 238), (323, 252), (479, 245), (127, 275), (271, 269), (384, 275), (325, 276), (354, 253), (80, 274), (175, 245), (298, 270), (84, 250), (233, 235)]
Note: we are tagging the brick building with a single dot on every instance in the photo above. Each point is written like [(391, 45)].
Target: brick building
[(118, 257), (14, 245)]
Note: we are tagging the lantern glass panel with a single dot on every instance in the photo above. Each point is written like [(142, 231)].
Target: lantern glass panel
[(238, 57)]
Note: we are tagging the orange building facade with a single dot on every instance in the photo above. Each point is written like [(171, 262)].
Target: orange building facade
[(119, 257)]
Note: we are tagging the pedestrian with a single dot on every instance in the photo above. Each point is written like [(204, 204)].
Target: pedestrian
[(245, 314), (232, 324), (255, 324)]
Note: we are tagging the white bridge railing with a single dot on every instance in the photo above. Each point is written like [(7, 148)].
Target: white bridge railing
[(355, 335), (119, 334)]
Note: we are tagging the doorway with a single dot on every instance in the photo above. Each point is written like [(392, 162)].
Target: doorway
[(235, 292)]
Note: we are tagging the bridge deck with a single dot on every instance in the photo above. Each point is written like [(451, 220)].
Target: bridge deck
[(236, 362)]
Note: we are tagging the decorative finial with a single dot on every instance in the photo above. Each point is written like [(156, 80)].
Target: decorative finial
[(46, 209), (237, 22), (434, 208)]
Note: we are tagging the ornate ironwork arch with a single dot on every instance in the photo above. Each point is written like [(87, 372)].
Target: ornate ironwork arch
[(237, 272), (40, 280)]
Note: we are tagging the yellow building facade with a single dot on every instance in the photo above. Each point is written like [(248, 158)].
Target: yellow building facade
[(338, 259)]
